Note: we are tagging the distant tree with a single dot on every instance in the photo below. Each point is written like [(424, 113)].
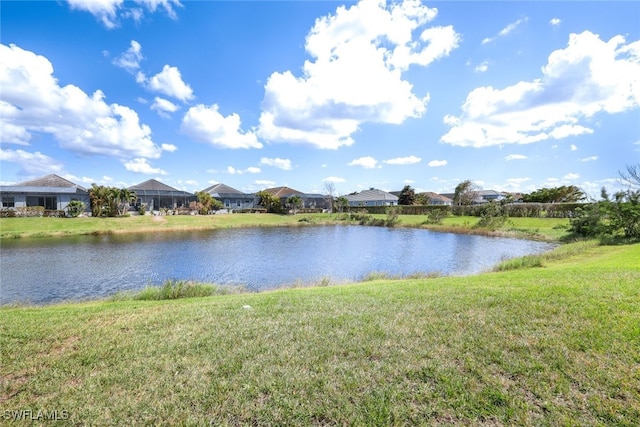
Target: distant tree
[(465, 193), (632, 176), (421, 199), (563, 194), (125, 197), (270, 202), (407, 196), (330, 189), (205, 203), (342, 203), (294, 202)]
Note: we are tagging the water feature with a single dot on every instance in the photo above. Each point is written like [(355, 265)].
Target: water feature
[(41, 271)]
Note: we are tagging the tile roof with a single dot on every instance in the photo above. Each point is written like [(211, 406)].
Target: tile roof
[(283, 192), (152, 185), (52, 180), (222, 189), (371, 195)]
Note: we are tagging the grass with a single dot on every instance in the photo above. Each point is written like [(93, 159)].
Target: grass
[(532, 228), (558, 345)]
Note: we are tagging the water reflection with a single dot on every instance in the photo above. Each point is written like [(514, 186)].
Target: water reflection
[(49, 270)]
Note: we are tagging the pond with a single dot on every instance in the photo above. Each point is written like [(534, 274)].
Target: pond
[(41, 271)]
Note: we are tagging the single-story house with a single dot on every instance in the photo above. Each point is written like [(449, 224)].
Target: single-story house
[(155, 196), (231, 198), (309, 201), (485, 196), (51, 192), (372, 197), (435, 199)]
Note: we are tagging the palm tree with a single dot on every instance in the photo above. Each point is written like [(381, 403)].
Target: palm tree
[(125, 196), (295, 202)]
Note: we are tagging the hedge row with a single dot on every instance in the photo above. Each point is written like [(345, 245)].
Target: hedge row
[(31, 211), (524, 210)]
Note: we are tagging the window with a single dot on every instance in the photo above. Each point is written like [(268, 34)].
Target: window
[(47, 202), (239, 203), (8, 202)]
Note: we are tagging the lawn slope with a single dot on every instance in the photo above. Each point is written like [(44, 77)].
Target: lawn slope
[(553, 345)]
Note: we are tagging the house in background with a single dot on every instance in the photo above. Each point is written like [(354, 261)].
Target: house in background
[(309, 201), (372, 197), (52, 192), (485, 196), (435, 199), (156, 195), (231, 198)]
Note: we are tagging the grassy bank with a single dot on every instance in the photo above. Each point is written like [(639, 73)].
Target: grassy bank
[(557, 345), (537, 228)]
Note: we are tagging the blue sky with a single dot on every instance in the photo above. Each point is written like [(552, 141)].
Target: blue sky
[(514, 96)]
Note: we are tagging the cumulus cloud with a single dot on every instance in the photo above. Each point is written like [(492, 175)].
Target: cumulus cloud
[(481, 68), (169, 147), (506, 30), (410, 160), (571, 176), (130, 60), (589, 76), (436, 163), (555, 21), (32, 101), (573, 147), (169, 82), (355, 75), (205, 123), (109, 12), (31, 163), (366, 162), (284, 164), (141, 165), (164, 107), (515, 157)]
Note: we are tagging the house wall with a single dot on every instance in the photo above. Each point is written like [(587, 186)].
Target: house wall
[(50, 201)]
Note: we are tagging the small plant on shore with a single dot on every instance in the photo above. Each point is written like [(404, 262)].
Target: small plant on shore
[(176, 289)]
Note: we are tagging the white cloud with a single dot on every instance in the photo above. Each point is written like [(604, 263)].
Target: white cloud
[(31, 163), (555, 21), (110, 11), (573, 147), (169, 147), (32, 101), (141, 165), (130, 60), (571, 176), (481, 68), (284, 164), (403, 160), (589, 76), (515, 157), (436, 163), (233, 171), (164, 107), (589, 159), (355, 75), (208, 125), (169, 81), (263, 183), (334, 179), (366, 162), (506, 30)]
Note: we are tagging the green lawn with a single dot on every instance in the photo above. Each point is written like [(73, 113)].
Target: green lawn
[(556, 345), (544, 228)]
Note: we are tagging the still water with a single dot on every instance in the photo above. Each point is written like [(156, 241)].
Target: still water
[(41, 271)]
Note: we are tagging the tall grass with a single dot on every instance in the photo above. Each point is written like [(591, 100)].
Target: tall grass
[(175, 289), (540, 260)]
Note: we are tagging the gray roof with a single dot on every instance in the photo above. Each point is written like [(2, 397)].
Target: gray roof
[(45, 185), (372, 195), (222, 189), (153, 186)]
